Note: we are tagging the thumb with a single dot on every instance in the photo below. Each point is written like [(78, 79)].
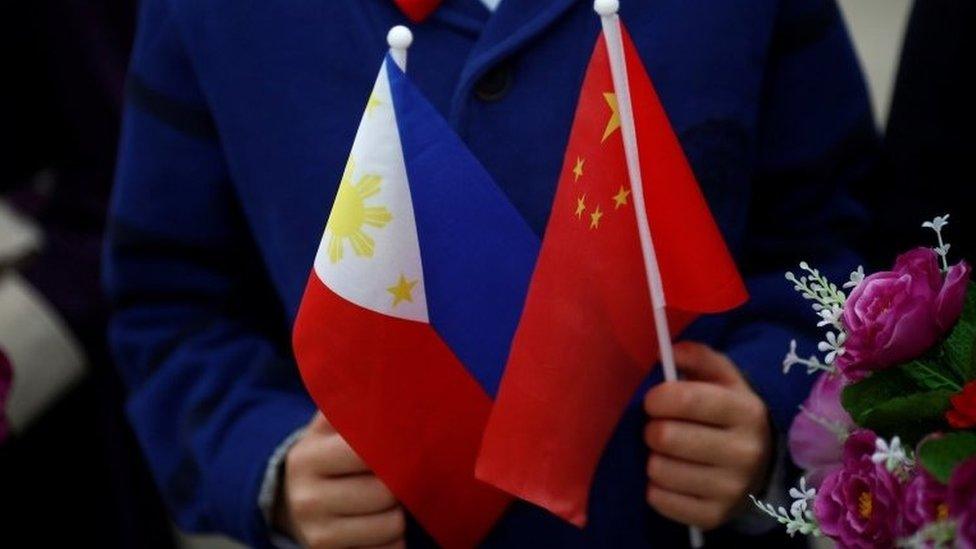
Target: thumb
[(320, 425), (699, 362)]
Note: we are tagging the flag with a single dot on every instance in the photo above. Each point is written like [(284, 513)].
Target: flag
[(408, 314), (586, 338)]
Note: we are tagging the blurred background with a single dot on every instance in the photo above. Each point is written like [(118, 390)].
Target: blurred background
[(70, 467)]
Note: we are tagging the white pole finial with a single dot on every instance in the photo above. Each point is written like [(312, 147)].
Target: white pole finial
[(613, 34), (606, 7), (399, 38)]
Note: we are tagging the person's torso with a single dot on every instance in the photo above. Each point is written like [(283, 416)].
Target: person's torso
[(287, 81)]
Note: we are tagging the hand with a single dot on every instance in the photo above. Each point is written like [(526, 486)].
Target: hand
[(329, 498), (709, 437)]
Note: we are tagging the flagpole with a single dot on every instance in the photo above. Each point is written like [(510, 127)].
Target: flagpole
[(607, 9), (399, 39)]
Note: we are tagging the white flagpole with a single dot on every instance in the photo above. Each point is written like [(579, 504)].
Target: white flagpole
[(399, 39), (618, 68)]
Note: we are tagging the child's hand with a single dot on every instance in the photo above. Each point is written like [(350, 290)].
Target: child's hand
[(709, 437), (329, 498)]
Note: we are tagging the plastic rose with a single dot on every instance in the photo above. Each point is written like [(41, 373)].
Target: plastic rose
[(962, 503), (6, 378), (858, 505), (818, 432), (895, 316), (926, 501)]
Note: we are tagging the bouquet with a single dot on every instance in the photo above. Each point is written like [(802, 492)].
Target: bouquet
[(887, 436)]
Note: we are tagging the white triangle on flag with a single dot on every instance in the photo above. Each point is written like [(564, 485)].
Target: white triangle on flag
[(369, 253)]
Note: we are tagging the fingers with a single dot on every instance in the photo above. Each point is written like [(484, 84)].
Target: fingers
[(701, 444), (683, 477), (380, 529), (709, 436), (329, 497), (328, 455), (686, 509), (356, 495), (693, 479), (702, 363), (320, 425), (696, 401), (320, 499), (398, 544)]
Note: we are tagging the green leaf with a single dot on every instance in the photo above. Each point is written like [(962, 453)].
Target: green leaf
[(910, 417), (959, 347), (940, 455), (862, 397), (930, 373)]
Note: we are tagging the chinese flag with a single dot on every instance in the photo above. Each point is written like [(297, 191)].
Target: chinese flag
[(586, 337)]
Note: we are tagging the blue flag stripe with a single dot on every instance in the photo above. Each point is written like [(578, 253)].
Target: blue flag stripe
[(478, 252)]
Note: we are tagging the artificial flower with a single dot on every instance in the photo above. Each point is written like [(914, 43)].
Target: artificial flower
[(963, 412), (859, 504), (962, 502), (926, 501), (895, 316), (818, 432)]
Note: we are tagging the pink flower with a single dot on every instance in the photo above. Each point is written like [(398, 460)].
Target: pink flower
[(6, 379), (895, 316), (858, 505), (926, 501), (818, 432), (962, 503)]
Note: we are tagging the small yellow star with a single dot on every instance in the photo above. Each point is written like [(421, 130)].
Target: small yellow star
[(578, 169), (372, 103), (614, 123), (595, 217), (580, 206), (401, 291), (620, 199)]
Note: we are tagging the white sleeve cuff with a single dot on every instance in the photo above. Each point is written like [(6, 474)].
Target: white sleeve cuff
[(269, 489)]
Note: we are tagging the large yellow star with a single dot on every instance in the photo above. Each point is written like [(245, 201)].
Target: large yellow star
[(401, 291), (372, 103), (580, 206), (578, 169), (595, 217), (620, 199), (614, 123)]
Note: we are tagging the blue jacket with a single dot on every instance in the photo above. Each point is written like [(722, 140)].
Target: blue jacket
[(240, 116)]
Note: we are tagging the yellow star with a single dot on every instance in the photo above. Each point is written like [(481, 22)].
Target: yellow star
[(578, 169), (372, 103), (401, 290), (580, 206), (620, 199), (595, 217), (614, 123)]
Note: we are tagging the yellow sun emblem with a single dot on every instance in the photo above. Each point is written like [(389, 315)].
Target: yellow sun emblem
[(350, 213)]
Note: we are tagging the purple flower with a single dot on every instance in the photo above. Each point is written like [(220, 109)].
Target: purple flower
[(962, 503), (926, 501), (818, 432), (858, 505), (895, 316), (6, 380)]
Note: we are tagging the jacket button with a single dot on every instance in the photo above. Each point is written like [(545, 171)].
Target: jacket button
[(494, 84)]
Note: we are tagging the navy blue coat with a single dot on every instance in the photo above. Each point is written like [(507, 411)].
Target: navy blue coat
[(240, 116)]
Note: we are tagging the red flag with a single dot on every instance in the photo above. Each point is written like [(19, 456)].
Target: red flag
[(369, 336), (586, 338)]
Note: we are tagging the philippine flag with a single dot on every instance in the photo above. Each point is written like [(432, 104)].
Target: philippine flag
[(407, 318)]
